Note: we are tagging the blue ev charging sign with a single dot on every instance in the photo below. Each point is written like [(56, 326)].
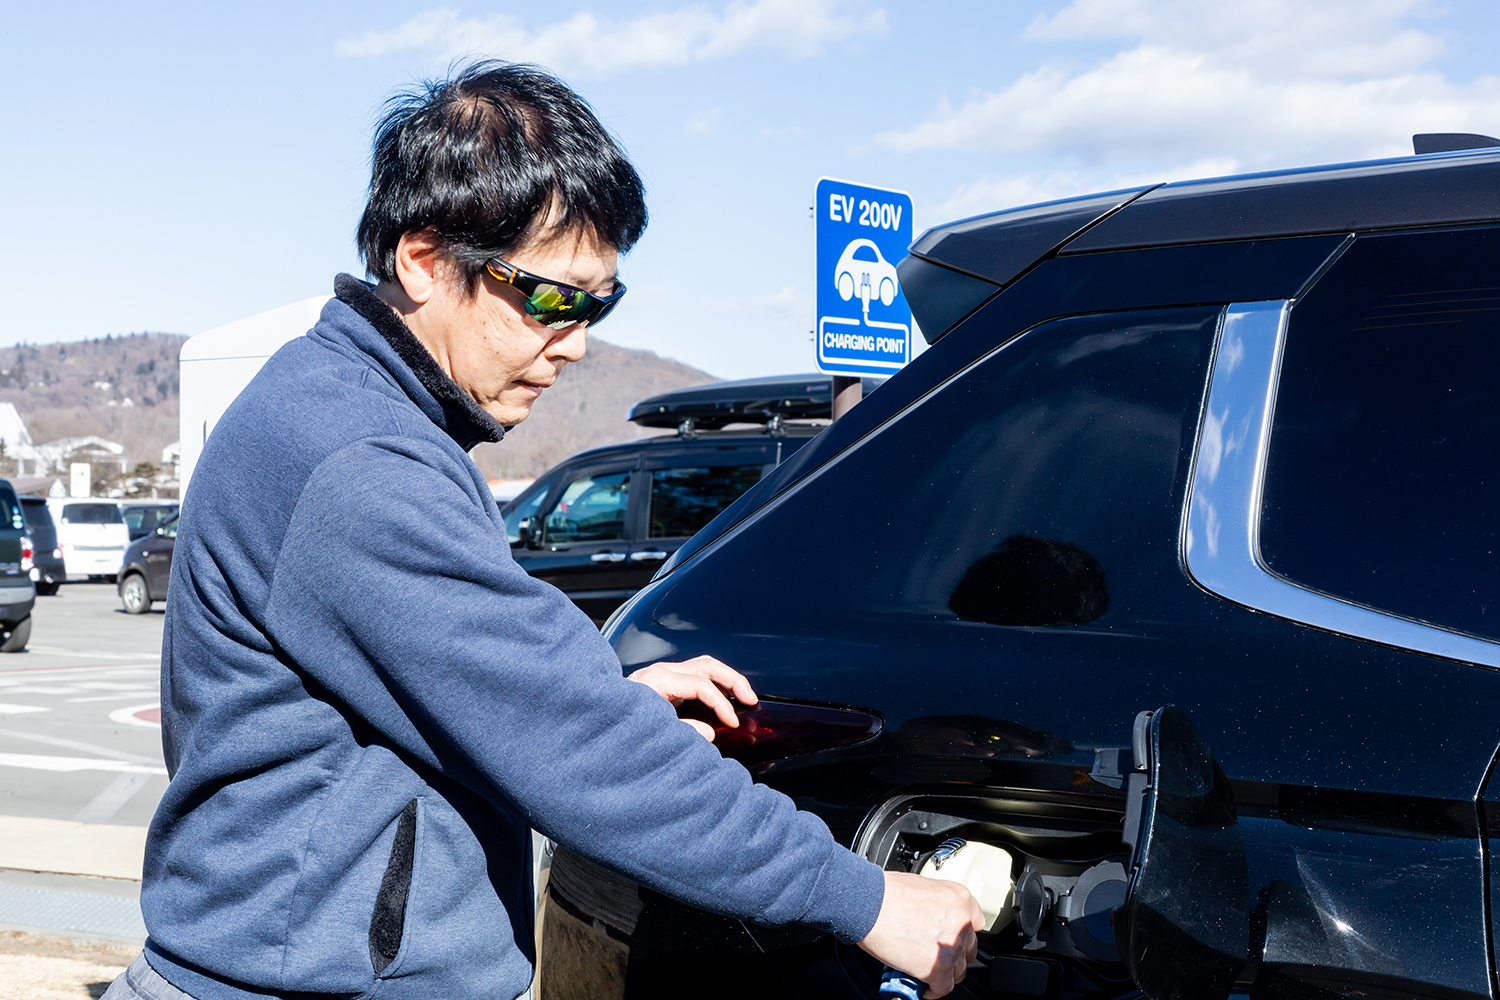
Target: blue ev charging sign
[(864, 323)]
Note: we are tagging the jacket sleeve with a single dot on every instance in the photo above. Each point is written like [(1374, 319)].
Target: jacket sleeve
[(396, 591)]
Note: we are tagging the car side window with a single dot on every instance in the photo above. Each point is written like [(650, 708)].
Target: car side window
[(1381, 484), (526, 507), (685, 499), (1043, 487), (590, 509), (168, 528)]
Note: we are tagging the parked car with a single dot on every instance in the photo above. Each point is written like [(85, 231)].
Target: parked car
[(1170, 569), (92, 535), (17, 592), (147, 568), (48, 569), (142, 518), (600, 524)]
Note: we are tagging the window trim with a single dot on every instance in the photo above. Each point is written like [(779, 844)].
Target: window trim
[(1226, 486)]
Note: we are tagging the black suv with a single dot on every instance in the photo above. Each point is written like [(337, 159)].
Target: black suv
[(600, 524), (17, 592), (1171, 569), (48, 569)]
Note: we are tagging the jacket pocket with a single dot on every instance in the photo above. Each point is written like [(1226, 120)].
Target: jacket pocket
[(388, 922)]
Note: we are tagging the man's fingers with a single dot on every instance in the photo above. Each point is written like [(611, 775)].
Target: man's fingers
[(704, 729), (708, 692), (723, 675), (727, 677), (941, 985)]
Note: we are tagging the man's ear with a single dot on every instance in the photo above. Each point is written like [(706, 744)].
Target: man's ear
[(418, 257)]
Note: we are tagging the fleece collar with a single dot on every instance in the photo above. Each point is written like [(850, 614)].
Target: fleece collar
[(455, 402)]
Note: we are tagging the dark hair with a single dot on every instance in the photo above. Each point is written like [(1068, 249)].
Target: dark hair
[(483, 157)]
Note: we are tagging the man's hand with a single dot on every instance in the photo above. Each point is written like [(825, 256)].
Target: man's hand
[(926, 928), (704, 679)]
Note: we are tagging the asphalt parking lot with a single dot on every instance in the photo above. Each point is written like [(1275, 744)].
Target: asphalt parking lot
[(80, 737), (81, 767)]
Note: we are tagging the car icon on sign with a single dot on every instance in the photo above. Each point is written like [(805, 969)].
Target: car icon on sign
[(862, 271)]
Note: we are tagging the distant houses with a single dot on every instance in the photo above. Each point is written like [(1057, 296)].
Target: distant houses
[(22, 458)]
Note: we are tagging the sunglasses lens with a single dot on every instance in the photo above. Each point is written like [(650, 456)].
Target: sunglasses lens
[(558, 305)]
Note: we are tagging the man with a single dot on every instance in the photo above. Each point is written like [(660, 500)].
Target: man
[(366, 703)]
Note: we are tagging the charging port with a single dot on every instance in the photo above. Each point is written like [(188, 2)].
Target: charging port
[(1066, 869)]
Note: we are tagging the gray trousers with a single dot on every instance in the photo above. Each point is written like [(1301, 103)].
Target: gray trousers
[(141, 982)]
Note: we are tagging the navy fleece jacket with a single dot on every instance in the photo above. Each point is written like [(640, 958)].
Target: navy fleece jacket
[(366, 703)]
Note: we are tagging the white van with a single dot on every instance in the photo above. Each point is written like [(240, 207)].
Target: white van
[(92, 535)]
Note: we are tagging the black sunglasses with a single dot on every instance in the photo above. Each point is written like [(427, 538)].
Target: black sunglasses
[(552, 303)]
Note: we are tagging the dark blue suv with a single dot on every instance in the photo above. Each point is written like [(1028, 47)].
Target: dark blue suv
[(1171, 569)]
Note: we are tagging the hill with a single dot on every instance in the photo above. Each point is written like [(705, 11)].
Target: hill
[(125, 388), (585, 409)]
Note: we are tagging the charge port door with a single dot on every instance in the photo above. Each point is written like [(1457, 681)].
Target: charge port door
[(1184, 929)]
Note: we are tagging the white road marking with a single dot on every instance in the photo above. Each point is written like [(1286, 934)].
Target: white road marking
[(60, 741), (59, 651), (112, 799), (20, 709), (118, 695), (126, 716), (37, 762)]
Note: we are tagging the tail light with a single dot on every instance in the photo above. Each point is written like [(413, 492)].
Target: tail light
[(778, 727), (28, 555)]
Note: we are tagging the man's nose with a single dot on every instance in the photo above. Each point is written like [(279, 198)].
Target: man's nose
[(570, 345)]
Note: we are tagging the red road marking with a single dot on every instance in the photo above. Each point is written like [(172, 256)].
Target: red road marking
[(149, 715)]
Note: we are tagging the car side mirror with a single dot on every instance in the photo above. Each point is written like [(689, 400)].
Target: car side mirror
[(530, 532)]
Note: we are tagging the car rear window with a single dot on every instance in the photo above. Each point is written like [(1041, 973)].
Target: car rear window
[(36, 513), (1040, 488), (1381, 484), (92, 513)]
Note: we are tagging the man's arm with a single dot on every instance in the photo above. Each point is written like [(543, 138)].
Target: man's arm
[(397, 594)]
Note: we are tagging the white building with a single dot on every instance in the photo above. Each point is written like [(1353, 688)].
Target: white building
[(219, 363), (51, 456)]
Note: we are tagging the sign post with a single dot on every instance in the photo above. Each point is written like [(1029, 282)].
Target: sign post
[(864, 323)]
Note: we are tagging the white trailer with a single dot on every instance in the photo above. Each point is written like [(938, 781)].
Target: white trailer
[(217, 364)]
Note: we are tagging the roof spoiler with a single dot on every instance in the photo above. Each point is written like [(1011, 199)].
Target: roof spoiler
[(1448, 142)]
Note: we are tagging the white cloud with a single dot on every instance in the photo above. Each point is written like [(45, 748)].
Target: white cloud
[(989, 194), (588, 43), (1250, 84), (703, 122)]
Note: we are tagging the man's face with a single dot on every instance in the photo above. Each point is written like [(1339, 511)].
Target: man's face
[(497, 353)]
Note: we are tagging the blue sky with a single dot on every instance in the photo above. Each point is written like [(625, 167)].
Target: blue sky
[(178, 166)]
